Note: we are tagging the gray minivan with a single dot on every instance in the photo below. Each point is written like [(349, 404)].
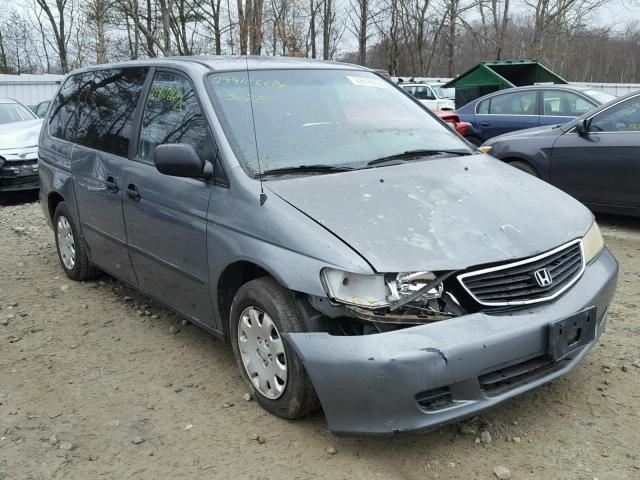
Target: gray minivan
[(355, 252)]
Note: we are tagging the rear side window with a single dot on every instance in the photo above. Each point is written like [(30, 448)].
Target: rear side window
[(483, 106), (106, 120), (64, 114), (173, 115), (516, 103)]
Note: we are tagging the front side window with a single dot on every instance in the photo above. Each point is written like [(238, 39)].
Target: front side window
[(14, 112), (106, 119), (564, 104), (624, 117), (320, 117), (64, 114), (172, 114), (515, 103)]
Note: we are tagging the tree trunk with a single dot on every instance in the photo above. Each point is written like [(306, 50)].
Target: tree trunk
[(243, 25), (362, 32), (327, 20), (312, 27), (166, 28)]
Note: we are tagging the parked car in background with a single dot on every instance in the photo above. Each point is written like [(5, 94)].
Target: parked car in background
[(453, 120), (353, 250), (526, 107), (432, 95), (595, 158), (19, 130), (41, 108)]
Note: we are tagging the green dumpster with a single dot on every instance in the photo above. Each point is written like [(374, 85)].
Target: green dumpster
[(487, 77)]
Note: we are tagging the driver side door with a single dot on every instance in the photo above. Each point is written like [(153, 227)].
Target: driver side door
[(601, 167)]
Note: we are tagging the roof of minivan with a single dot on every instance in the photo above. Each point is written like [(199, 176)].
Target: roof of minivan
[(235, 62), (7, 100)]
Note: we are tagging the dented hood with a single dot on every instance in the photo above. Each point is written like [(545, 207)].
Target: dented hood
[(438, 214), (17, 135)]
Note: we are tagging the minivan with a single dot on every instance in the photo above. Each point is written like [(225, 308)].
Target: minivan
[(355, 252)]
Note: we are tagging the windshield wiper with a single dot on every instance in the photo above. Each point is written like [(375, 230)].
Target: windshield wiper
[(305, 169), (409, 154)]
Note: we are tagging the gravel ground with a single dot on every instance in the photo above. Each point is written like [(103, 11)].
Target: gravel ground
[(98, 382)]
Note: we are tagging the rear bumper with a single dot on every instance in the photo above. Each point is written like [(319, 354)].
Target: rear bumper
[(368, 384)]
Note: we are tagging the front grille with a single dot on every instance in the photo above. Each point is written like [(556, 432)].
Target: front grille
[(515, 283), (504, 379)]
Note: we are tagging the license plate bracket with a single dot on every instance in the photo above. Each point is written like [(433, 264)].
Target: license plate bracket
[(571, 333)]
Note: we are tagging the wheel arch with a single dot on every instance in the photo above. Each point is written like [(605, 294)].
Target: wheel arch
[(514, 158), (53, 200), (234, 276)]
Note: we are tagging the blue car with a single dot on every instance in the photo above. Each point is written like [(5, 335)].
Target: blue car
[(526, 107)]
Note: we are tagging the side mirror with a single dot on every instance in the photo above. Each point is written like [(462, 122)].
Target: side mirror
[(181, 160), (582, 127)]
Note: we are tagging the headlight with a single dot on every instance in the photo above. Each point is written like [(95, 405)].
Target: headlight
[(592, 243), (485, 149), (376, 291)]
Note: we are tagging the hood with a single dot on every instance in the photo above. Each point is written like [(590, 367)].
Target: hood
[(442, 214), (20, 134)]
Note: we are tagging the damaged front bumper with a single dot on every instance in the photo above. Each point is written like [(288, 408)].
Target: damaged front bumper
[(17, 173), (421, 377)]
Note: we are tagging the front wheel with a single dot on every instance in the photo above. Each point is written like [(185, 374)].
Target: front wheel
[(524, 166), (261, 310)]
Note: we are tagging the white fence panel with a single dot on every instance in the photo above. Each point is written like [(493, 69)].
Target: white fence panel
[(29, 89)]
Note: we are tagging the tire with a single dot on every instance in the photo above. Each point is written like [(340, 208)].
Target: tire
[(474, 140), (271, 302), (80, 268), (524, 166)]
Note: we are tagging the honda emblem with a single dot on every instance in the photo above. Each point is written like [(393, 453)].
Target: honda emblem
[(543, 277)]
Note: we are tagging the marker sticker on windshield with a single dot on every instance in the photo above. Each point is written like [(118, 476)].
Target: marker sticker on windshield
[(367, 82)]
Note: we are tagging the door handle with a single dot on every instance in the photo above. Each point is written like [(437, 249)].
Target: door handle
[(484, 124), (133, 192), (112, 184)]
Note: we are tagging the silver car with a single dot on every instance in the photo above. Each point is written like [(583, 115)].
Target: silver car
[(355, 252), (19, 130)]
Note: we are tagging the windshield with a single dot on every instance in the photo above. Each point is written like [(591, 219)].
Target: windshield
[(14, 112), (600, 96), (444, 92), (321, 117)]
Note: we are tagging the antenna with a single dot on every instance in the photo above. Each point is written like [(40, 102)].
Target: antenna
[(263, 196)]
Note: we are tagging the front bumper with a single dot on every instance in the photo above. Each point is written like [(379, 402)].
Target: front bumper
[(22, 175), (368, 384)]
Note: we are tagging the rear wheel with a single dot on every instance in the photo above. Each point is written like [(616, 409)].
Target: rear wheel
[(72, 251), (524, 166), (261, 311)]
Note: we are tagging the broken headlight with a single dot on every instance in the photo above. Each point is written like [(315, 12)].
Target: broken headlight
[(378, 290)]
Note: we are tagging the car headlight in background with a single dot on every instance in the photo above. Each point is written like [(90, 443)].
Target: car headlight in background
[(592, 243), (376, 290)]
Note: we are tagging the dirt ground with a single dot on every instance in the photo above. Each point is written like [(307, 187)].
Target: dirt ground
[(95, 383)]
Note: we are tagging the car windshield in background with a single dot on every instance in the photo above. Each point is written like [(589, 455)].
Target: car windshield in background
[(444, 92), (328, 118), (14, 112), (600, 96)]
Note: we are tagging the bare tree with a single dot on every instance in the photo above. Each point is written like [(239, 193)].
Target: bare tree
[(57, 18)]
